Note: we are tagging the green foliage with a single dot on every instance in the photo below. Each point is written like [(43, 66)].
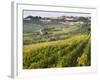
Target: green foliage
[(73, 51), (84, 60), (34, 65)]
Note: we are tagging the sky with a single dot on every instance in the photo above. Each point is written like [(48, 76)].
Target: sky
[(52, 14)]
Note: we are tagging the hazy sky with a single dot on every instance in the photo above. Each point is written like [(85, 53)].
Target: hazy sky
[(52, 14)]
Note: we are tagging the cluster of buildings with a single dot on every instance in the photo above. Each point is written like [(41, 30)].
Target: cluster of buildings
[(60, 19)]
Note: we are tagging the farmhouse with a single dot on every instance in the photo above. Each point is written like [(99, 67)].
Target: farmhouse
[(45, 20)]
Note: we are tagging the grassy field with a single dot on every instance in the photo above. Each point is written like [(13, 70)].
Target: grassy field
[(70, 52)]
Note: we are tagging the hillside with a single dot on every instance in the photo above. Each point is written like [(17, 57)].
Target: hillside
[(70, 52)]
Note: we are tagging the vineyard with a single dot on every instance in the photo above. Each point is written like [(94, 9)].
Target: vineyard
[(56, 40), (69, 52)]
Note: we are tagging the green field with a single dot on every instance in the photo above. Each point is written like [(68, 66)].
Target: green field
[(74, 51), (56, 45)]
